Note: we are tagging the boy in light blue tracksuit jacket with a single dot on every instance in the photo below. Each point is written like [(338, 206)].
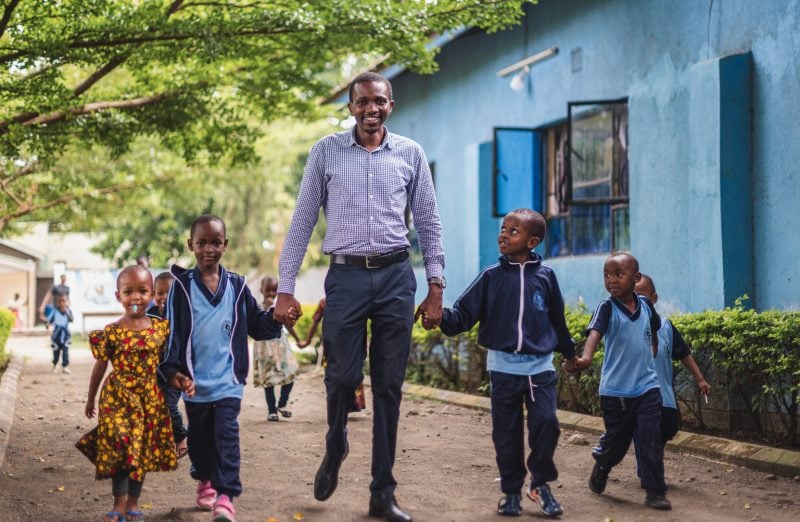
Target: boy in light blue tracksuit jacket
[(521, 312)]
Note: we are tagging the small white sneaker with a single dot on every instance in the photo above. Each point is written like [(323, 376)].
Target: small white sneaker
[(66, 370), (55, 368)]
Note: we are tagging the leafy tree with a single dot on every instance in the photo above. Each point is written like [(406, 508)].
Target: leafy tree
[(194, 73)]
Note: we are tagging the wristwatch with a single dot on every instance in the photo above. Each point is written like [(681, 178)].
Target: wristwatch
[(438, 281)]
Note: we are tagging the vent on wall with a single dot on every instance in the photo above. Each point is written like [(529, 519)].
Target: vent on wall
[(576, 59)]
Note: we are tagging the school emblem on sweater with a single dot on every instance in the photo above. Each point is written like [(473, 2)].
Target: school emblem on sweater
[(226, 329), (538, 300), (647, 337)]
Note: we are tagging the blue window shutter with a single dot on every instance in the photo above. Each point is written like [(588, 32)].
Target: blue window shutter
[(488, 224), (517, 170)]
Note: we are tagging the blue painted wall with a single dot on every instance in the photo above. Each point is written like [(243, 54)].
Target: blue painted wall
[(713, 208)]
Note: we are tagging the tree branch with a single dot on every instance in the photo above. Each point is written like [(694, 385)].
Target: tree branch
[(29, 208), (98, 75), (30, 168), (89, 108), (7, 15)]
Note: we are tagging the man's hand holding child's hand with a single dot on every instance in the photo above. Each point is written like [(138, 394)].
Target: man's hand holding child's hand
[(183, 383)]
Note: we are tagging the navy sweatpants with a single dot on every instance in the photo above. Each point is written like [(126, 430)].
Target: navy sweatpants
[(538, 394), (634, 419), (213, 440), (384, 296)]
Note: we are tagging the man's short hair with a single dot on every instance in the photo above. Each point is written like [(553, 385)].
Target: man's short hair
[(369, 77)]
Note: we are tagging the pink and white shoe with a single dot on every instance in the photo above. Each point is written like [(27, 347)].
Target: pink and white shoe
[(223, 510), (206, 496)]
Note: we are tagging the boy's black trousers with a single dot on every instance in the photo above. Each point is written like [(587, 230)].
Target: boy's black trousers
[(538, 395), (634, 419), (214, 443)]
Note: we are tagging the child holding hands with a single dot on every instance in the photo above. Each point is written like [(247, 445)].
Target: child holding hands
[(134, 432), (521, 312), (211, 314), (274, 363), (671, 347), (629, 390)]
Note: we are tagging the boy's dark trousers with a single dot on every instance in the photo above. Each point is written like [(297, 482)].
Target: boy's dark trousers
[(61, 351), (670, 423), (538, 394), (269, 393), (385, 296), (214, 443), (171, 397), (60, 341), (638, 419)]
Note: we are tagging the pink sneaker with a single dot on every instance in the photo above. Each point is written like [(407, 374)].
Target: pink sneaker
[(223, 510), (206, 496)]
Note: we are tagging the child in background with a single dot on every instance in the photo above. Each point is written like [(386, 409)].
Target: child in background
[(521, 313), (211, 312), (629, 391), (161, 288), (671, 347), (274, 363), (134, 432), (60, 340)]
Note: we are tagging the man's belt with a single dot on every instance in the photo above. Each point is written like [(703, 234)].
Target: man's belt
[(376, 261)]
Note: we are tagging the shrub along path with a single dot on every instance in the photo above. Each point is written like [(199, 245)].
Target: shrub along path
[(445, 465)]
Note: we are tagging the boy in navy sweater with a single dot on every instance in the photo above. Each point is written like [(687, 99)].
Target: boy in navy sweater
[(521, 312), (211, 313), (629, 391)]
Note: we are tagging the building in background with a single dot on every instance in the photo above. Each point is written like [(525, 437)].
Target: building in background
[(668, 128)]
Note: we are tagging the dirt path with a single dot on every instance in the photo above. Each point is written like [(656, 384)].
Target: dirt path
[(445, 466)]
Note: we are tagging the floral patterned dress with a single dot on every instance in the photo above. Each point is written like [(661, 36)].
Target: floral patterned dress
[(134, 430), (274, 363)]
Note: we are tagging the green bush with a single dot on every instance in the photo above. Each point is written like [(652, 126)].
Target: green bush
[(755, 356), (6, 323)]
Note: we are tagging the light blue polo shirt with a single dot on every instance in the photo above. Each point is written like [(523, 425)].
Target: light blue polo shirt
[(212, 327)]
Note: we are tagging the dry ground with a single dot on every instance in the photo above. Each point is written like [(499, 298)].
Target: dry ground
[(445, 466)]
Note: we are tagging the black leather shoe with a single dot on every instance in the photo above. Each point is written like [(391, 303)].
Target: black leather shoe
[(327, 477), (385, 505)]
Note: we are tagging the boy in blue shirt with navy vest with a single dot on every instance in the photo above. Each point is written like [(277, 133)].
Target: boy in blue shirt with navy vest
[(211, 312), (629, 390), (61, 339), (671, 347), (521, 312)]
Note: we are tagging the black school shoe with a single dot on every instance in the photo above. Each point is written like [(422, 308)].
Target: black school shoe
[(598, 479), (510, 505), (384, 505), (657, 500), (545, 500)]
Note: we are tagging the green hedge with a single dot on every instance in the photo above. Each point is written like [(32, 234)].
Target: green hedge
[(6, 323), (754, 355)]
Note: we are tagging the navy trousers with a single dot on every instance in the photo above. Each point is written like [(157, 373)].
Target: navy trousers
[(635, 419), (214, 444), (539, 396), (269, 393), (385, 297)]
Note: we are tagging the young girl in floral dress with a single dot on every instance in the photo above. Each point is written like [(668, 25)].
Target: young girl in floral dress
[(274, 363), (134, 431)]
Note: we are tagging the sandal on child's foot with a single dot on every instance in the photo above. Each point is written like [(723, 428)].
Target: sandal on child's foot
[(272, 417), (284, 412), (134, 516), (182, 451), (113, 516)]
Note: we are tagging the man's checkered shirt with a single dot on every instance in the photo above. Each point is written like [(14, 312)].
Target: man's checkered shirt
[(364, 196)]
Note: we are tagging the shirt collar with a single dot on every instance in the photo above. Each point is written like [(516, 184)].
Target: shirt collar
[(388, 139)]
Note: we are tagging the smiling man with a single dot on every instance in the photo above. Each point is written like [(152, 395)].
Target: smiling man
[(363, 179)]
